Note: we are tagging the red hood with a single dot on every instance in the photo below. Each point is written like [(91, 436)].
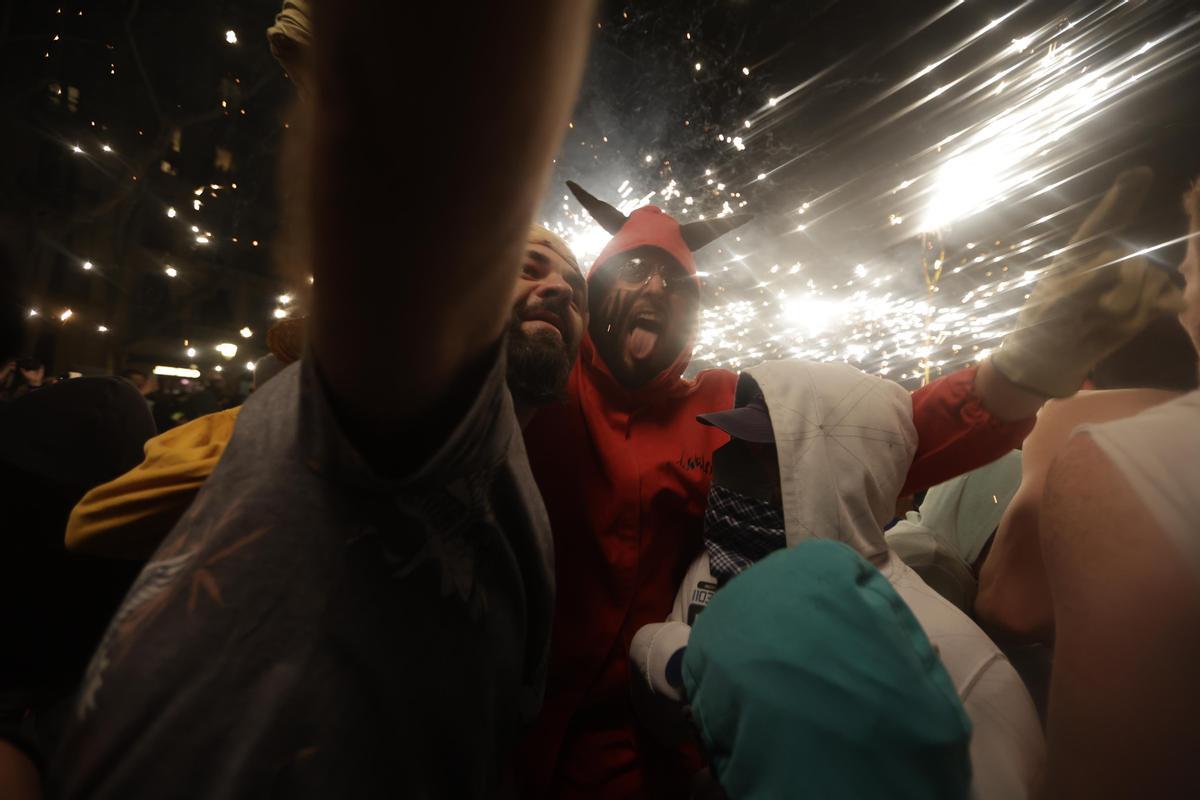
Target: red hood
[(648, 226)]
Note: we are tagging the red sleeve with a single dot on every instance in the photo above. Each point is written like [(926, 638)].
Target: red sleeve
[(955, 433)]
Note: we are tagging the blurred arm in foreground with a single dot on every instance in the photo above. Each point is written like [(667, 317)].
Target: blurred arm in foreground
[(413, 295)]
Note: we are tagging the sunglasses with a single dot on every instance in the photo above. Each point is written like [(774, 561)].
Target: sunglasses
[(640, 271)]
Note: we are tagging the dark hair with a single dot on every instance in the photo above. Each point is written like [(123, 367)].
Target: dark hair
[(1160, 357), (20, 385), (285, 339), (131, 371)]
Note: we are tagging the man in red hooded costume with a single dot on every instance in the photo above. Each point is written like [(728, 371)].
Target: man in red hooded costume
[(624, 469)]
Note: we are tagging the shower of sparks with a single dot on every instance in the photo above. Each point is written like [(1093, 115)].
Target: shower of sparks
[(1027, 116), (879, 332), (1047, 96)]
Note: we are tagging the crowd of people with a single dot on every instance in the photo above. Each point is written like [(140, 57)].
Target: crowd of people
[(20, 376), (474, 534), (183, 401)]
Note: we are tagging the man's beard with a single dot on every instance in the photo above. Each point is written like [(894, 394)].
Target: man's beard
[(538, 366)]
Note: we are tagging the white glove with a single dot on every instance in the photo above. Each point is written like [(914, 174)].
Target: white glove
[(654, 649), (1093, 299), (654, 645), (656, 659)]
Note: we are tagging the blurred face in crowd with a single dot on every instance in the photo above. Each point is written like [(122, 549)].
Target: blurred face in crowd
[(1190, 317), (34, 375), (767, 458), (645, 317), (549, 310)]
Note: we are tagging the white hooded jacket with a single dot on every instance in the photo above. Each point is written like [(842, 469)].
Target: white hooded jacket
[(846, 441)]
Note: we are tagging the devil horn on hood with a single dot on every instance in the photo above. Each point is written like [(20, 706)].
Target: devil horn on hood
[(697, 234), (607, 216)]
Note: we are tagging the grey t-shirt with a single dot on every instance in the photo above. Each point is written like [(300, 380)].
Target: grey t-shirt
[(312, 628)]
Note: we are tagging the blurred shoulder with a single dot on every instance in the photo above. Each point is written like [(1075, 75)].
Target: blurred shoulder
[(1102, 405), (1058, 419)]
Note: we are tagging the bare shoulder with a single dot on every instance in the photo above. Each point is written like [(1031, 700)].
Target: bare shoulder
[(1058, 419), (1126, 609), (1080, 475), (1085, 495), (1099, 540)]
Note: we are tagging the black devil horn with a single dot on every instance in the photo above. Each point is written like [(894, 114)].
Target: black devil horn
[(697, 234), (608, 217)]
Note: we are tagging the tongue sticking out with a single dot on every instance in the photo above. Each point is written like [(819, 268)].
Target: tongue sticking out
[(642, 342)]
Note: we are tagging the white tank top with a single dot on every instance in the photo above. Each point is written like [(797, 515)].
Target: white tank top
[(1158, 454)]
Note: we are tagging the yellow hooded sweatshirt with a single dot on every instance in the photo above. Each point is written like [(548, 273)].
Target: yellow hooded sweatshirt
[(128, 517)]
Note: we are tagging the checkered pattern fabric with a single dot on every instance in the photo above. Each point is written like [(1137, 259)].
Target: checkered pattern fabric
[(738, 531)]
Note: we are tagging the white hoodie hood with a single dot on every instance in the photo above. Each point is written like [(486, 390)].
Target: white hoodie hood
[(846, 441)]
